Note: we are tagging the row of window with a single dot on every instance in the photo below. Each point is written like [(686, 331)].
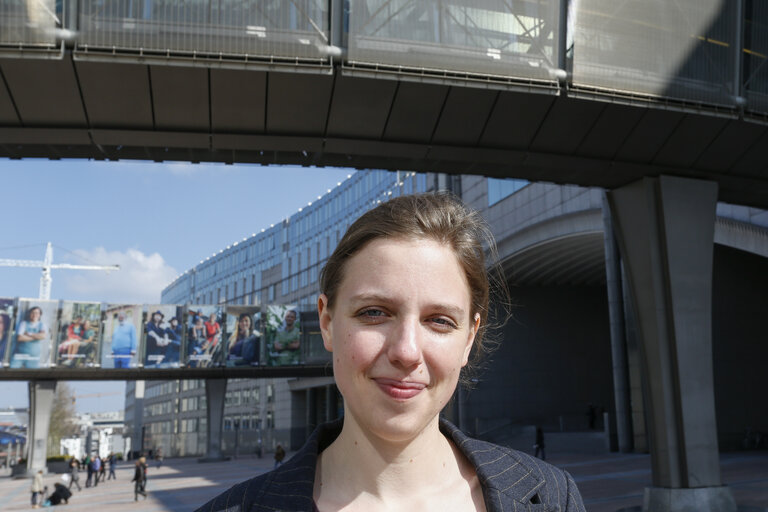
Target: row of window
[(300, 264), (198, 425), (248, 422), (162, 389)]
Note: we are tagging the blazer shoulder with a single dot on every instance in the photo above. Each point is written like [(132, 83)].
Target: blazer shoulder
[(287, 488), (240, 497), (555, 486), (512, 478)]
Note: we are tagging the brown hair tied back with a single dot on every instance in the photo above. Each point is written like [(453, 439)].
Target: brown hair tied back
[(445, 219)]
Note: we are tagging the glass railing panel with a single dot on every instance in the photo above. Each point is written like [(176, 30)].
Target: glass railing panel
[(280, 29), (487, 37), (28, 22), (682, 49), (755, 56)]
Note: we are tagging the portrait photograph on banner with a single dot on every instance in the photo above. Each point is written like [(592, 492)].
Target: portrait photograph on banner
[(32, 337), (78, 335), (243, 335), (121, 335), (6, 327), (283, 335), (163, 335), (204, 336)]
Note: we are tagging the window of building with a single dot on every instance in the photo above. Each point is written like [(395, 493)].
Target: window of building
[(498, 189), (270, 393)]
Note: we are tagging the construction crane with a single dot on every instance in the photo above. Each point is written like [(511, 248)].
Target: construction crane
[(47, 264), (96, 395)]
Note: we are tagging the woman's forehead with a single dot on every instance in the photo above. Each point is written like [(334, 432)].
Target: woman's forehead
[(421, 267)]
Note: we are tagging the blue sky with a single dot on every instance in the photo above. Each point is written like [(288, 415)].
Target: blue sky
[(154, 220)]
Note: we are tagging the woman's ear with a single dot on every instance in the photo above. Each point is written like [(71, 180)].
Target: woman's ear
[(324, 313), (471, 338)]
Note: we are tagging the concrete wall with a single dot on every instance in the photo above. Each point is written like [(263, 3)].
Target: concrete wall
[(740, 344), (553, 360)]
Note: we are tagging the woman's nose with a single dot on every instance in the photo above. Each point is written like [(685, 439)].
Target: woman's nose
[(404, 345)]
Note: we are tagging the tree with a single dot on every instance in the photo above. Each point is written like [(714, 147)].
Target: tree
[(63, 419)]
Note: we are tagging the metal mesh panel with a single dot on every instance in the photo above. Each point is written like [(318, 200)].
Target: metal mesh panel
[(277, 28), (679, 49), (491, 37), (27, 22), (755, 70)]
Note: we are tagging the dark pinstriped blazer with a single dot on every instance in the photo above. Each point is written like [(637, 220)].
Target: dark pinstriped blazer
[(512, 481)]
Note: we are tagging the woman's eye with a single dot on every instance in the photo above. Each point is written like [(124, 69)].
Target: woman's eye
[(444, 322), (371, 313)]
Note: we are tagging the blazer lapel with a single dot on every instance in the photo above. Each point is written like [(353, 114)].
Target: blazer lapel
[(509, 483)]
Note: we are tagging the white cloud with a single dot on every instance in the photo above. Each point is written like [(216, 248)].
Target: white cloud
[(140, 279)]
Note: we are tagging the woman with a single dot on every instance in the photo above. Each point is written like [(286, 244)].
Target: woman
[(405, 300), (196, 343), (140, 479), (38, 491), (173, 333), (74, 474), (31, 341), (243, 344)]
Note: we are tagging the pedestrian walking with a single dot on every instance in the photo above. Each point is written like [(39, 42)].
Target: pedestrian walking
[(140, 479), (37, 489), (74, 474), (112, 461), (279, 455), (96, 463), (89, 468), (102, 469), (159, 456)]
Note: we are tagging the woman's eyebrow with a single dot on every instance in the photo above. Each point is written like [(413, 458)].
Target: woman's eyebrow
[(370, 297), (378, 298)]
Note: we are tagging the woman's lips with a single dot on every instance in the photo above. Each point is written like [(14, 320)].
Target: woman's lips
[(398, 389)]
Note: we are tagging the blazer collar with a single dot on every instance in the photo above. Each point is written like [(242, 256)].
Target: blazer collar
[(501, 471)]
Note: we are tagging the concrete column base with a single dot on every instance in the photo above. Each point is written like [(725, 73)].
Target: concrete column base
[(701, 499)]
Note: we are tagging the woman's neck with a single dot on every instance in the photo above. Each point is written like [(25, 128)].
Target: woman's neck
[(360, 466)]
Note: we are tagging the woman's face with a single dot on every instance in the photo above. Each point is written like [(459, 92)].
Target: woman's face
[(400, 331), (35, 314), (87, 324), (244, 324)]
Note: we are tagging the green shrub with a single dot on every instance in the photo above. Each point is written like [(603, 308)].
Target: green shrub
[(58, 458)]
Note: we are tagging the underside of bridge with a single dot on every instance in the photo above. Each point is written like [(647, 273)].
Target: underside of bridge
[(72, 108)]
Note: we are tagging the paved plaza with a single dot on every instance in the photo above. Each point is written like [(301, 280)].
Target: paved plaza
[(608, 483)]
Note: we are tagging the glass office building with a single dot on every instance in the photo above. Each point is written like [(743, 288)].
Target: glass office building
[(278, 265)]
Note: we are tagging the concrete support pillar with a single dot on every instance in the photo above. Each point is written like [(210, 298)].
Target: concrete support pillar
[(636, 373), (41, 396), (665, 228), (215, 393), (618, 340)]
